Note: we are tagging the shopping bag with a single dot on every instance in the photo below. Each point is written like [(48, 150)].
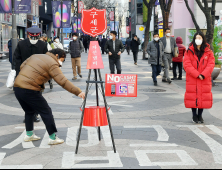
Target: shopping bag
[(11, 79)]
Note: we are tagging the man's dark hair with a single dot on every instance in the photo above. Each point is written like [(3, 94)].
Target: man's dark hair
[(135, 35), (104, 36), (167, 29), (155, 33), (75, 34), (114, 32), (58, 51)]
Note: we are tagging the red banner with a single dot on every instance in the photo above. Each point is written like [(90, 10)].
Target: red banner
[(121, 85), (127, 29), (111, 16), (81, 6), (94, 22)]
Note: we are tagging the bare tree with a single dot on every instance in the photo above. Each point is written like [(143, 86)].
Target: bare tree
[(165, 12), (209, 13), (150, 6)]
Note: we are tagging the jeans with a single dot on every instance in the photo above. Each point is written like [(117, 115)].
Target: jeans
[(115, 62), (167, 60), (33, 102), (180, 66), (135, 56), (156, 70)]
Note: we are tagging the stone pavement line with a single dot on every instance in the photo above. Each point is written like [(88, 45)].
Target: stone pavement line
[(214, 146), (69, 161), (2, 156), (145, 161)]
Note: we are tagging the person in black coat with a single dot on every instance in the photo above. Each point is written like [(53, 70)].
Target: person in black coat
[(115, 48), (103, 43), (85, 43), (135, 43), (128, 44), (26, 49)]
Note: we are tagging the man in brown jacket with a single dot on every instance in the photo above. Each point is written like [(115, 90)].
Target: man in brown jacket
[(35, 72)]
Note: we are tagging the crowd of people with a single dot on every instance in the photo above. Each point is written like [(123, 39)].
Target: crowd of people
[(37, 60)]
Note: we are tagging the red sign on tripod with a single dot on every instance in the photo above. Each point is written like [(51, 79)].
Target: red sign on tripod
[(94, 22)]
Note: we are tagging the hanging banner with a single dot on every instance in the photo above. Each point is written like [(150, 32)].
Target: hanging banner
[(81, 7), (66, 16), (112, 26), (5, 6), (22, 6), (74, 25), (127, 29), (56, 12), (111, 16), (121, 85)]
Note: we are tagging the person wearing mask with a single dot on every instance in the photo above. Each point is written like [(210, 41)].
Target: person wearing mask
[(178, 61), (27, 48), (35, 72), (57, 43), (76, 48), (135, 43), (114, 48), (199, 64), (103, 43), (169, 44), (128, 44), (156, 51)]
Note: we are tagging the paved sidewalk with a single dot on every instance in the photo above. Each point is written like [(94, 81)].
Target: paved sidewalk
[(153, 130)]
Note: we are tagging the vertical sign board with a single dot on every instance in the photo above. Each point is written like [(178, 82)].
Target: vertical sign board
[(121, 85)]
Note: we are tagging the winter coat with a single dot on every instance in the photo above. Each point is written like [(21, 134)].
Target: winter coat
[(76, 48), (58, 45), (118, 48), (10, 50), (24, 50), (181, 49), (134, 45), (103, 42), (128, 43), (172, 44), (39, 69), (152, 51), (198, 92)]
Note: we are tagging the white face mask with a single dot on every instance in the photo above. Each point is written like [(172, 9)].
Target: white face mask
[(168, 34), (111, 37), (57, 40), (156, 39), (74, 38), (33, 41), (60, 62), (198, 42)]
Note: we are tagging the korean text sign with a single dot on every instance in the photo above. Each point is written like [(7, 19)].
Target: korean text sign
[(121, 85)]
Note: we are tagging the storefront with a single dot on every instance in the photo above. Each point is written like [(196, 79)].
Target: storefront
[(6, 29)]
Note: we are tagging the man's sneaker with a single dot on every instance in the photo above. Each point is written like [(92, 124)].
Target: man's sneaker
[(195, 119), (80, 75), (155, 83), (136, 64), (163, 80), (36, 119), (32, 138), (51, 86), (74, 78), (180, 78), (169, 81), (174, 78), (200, 119), (57, 141)]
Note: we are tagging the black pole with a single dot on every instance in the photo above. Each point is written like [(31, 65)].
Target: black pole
[(62, 21), (107, 112), (114, 19), (14, 30), (77, 14), (83, 110)]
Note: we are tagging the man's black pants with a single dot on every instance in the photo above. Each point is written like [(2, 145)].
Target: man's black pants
[(115, 62), (135, 56), (180, 66), (32, 102)]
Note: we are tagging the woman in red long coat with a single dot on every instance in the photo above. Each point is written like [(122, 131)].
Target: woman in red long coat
[(199, 63)]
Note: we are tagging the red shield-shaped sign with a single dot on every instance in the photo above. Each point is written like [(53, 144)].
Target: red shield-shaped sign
[(94, 22)]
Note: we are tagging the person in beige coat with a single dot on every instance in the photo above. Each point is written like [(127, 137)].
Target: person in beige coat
[(35, 72)]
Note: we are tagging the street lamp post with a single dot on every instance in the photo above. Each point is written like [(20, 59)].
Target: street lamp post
[(62, 21), (14, 31)]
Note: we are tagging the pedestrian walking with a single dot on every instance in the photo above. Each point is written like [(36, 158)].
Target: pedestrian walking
[(57, 43), (156, 51), (178, 61), (99, 42), (114, 48), (27, 48), (135, 43), (36, 71), (85, 44), (198, 63), (10, 51), (128, 44), (169, 44), (103, 43), (76, 48)]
